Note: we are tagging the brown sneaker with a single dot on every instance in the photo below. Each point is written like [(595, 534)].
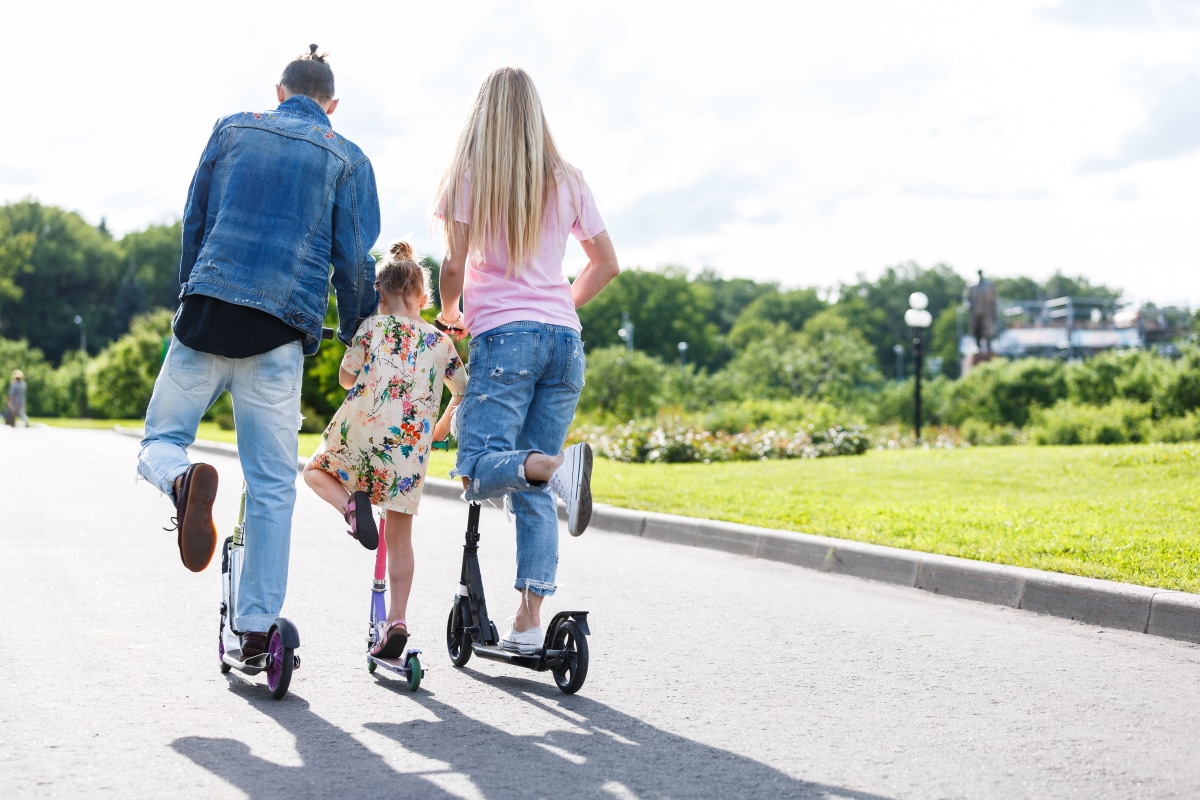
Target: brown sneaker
[(253, 644), (193, 516)]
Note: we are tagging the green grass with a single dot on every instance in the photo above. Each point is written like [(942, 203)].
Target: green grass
[(1126, 513)]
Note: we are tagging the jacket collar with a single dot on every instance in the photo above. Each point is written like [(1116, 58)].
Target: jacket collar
[(303, 106)]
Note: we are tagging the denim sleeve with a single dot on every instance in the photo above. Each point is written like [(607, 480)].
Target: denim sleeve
[(196, 212), (355, 229)]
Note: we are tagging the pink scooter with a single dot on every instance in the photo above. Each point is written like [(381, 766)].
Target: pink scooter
[(408, 665)]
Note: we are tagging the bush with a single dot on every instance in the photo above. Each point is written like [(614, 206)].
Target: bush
[(1119, 422), (669, 440), (622, 384), (1005, 393), (120, 379)]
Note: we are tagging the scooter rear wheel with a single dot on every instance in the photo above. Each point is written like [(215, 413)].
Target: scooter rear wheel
[(458, 640), (282, 660), (571, 674), (415, 673)]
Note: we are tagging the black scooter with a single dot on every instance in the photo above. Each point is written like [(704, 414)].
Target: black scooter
[(470, 630)]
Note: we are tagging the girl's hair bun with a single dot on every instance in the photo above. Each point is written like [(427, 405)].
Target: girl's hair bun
[(402, 250)]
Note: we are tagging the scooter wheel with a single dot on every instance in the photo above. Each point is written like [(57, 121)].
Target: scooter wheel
[(458, 640), (415, 673), (572, 672), (282, 660), (370, 665)]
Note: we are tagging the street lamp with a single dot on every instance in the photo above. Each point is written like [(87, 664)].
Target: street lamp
[(626, 330), (918, 318), (82, 333), (682, 353), (898, 349)]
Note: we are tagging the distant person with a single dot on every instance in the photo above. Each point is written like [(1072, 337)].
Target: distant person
[(981, 302), (277, 198), (14, 409), (510, 202), (376, 447)]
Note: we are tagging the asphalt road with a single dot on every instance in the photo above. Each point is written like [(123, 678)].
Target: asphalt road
[(712, 675)]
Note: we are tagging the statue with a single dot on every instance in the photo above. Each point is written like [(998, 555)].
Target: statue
[(981, 300)]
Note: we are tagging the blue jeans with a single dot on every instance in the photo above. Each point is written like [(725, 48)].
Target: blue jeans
[(524, 384), (266, 412)]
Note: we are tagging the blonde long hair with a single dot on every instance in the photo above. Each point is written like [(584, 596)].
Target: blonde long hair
[(507, 151)]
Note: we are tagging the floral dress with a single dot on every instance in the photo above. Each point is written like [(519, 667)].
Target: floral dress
[(378, 441)]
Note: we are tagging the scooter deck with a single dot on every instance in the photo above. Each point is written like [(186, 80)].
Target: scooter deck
[(234, 659), (540, 660)]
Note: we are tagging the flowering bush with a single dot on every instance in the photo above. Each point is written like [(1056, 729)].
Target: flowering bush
[(671, 441)]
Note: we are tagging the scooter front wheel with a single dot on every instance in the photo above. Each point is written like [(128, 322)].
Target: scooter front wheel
[(281, 661), (572, 671), (458, 640)]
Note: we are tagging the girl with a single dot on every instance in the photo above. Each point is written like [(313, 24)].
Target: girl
[(376, 447), (509, 203)]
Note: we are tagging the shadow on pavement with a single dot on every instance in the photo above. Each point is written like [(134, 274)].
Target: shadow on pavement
[(597, 753), (601, 753)]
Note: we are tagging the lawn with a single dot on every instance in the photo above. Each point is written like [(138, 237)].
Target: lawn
[(1125, 513)]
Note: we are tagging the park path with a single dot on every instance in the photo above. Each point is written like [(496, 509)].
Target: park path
[(712, 675)]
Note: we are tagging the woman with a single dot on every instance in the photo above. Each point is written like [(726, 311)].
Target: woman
[(509, 201)]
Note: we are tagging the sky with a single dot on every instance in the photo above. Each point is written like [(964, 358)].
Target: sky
[(809, 146)]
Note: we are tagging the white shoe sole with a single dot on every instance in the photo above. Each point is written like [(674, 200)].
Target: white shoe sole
[(581, 512)]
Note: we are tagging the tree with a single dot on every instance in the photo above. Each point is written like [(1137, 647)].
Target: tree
[(74, 269), (876, 310), (665, 309), (150, 274)]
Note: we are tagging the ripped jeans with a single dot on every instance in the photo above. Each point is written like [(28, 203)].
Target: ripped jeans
[(524, 384)]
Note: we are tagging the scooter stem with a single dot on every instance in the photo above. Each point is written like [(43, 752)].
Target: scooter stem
[(381, 552)]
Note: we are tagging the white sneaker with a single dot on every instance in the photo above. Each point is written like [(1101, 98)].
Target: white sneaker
[(524, 642), (573, 483)]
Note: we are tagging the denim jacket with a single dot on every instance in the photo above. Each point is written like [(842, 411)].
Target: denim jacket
[(277, 198)]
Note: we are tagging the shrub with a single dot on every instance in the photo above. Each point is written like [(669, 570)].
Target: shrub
[(1119, 422), (669, 440), (1002, 393), (621, 383), (120, 379)]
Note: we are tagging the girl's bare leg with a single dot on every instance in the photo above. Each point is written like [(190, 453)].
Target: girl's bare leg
[(328, 488), (400, 563)]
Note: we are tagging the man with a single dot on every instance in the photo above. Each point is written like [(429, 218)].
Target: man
[(277, 198)]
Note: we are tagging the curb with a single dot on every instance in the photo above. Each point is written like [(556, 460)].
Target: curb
[(1123, 606)]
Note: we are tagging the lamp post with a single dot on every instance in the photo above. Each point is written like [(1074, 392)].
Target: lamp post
[(917, 318), (626, 330), (82, 333), (682, 353)]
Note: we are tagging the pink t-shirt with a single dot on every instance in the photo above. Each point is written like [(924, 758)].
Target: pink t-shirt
[(540, 292)]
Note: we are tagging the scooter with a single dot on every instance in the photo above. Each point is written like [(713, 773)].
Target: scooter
[(409, 665), (282, 639), (469, 630)]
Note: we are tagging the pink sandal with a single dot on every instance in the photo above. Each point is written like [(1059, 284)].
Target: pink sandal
[(391, 645), (362, 522)]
